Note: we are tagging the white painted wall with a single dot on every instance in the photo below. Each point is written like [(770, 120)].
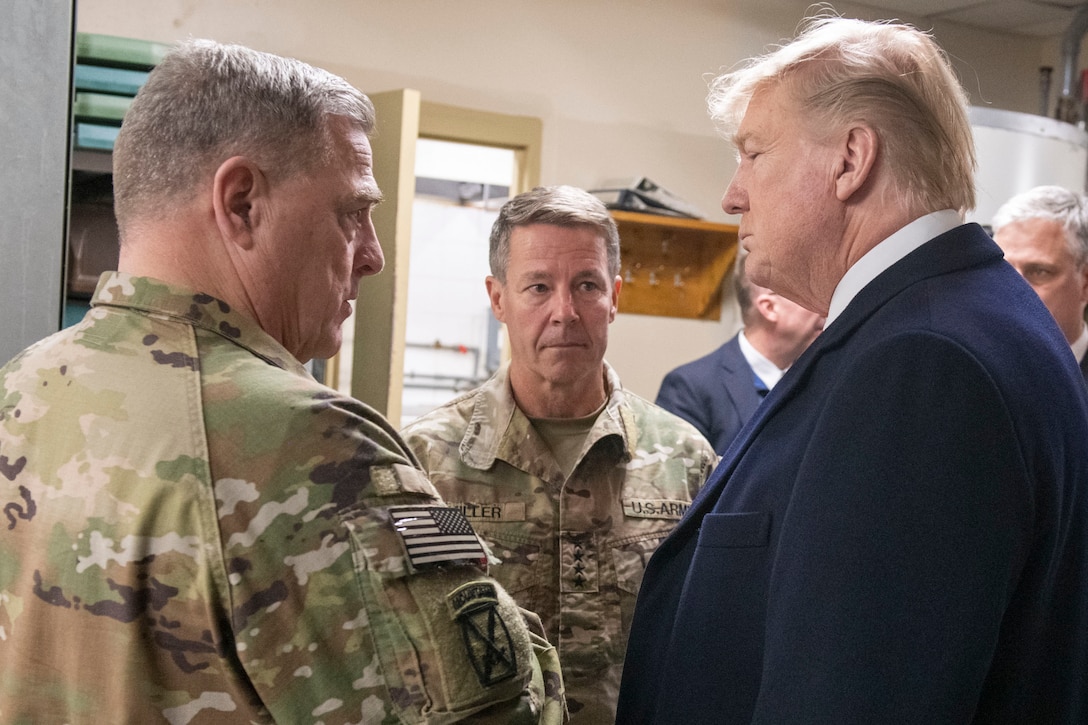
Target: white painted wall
[(620, 87)]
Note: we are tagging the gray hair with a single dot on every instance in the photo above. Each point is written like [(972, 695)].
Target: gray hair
[(562, 206), (1054, 203), (205, 102), (891, 77)]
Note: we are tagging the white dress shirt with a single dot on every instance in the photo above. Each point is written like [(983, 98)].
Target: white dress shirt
[(887, 253), (767, 371), (1080, 345)]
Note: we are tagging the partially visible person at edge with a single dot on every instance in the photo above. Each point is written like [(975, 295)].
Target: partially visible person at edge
[(900, 533), (571, 479), (196, 530), (719, 392), (1044, 234)]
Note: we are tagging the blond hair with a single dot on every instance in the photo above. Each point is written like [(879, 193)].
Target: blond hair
[(891, 77)]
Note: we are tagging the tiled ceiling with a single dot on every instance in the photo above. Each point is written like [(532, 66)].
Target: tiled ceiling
[(1042, 18)]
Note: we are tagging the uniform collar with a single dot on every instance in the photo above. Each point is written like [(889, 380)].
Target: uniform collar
[(499, 430), (159, 299)]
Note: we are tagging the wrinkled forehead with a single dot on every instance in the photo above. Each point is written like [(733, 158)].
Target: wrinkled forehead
[(765, 110), (347, 136), (351, 146), (543, 245)]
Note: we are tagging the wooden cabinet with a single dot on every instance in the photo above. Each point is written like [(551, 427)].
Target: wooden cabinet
[(673, 267)]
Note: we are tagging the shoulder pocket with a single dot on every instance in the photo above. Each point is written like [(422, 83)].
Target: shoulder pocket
[(447, 638)]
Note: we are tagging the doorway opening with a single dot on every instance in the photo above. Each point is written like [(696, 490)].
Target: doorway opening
[(452, 341)]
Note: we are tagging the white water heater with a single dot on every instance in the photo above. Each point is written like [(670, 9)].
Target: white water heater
[(1017, 151)]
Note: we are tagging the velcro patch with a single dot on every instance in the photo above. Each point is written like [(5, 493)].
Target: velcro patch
[(436, 536), (578, 562), (384, 480), (490, 648), (655, 508)]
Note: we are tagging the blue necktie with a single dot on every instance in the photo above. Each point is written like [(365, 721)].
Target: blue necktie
[(761, 387)]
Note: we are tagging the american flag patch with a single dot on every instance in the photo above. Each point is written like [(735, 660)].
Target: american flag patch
[(436, 535)]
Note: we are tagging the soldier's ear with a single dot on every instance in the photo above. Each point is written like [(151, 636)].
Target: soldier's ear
[(237, 188), (494, 293), (616, 285)]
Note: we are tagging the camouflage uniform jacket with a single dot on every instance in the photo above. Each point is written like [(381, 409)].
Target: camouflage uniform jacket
[(572, 550), (196, 531)]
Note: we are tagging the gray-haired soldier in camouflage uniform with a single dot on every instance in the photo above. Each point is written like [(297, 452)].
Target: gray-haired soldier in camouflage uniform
[(571, 479), (195, 530)]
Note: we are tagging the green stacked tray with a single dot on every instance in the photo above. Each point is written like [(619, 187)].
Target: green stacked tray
[(100, 107), (117, 52), (106, 79), (109, 71)]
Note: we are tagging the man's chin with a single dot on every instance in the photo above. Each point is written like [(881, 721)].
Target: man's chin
[(327, 348), (569, 370)]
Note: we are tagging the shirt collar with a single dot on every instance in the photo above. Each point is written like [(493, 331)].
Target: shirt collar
[(1080, 345), (887, 253), (766, 370), (498, 429)]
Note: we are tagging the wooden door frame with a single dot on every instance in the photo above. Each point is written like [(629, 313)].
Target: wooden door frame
[(377, 365)]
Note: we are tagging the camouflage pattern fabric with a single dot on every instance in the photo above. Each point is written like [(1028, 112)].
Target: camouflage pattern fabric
[(572, 550), (196, 531)]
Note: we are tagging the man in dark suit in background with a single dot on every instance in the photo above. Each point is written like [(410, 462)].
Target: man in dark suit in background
[(1044, 234), (900, 533), (719, 392)]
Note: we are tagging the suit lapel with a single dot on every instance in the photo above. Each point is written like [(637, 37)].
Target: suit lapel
[(739, 388)]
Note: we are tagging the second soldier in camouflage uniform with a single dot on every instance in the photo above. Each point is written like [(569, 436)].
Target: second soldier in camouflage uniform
[(572, 480), (195, 530)]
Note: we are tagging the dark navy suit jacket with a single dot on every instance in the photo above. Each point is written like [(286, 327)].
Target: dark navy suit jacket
[(715, 393), (899, 535)]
